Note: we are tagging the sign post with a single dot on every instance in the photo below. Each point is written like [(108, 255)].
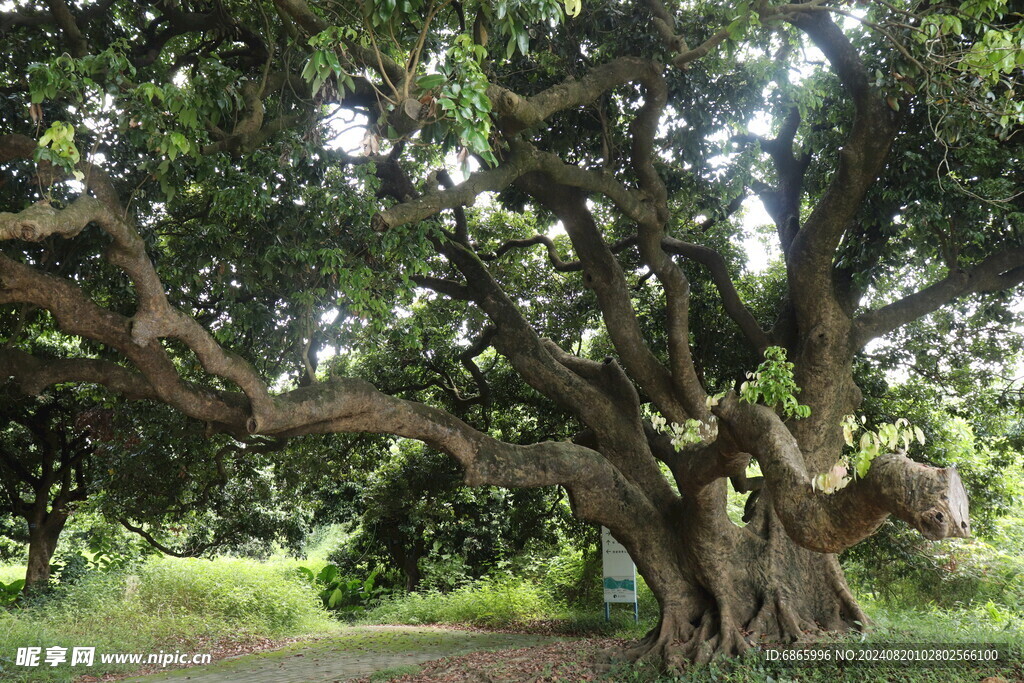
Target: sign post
[(619, 575)]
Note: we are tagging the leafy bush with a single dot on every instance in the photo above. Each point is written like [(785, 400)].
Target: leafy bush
[(949, 574), (573, 578), (342, 594), (10, 592)]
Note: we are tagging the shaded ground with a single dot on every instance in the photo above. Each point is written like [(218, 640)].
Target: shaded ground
[(354, 653)]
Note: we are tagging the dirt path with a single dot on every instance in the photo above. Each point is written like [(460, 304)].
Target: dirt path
[(354, 653)]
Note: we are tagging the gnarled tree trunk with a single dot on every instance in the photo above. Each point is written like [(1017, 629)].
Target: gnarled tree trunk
[(722, 586), (743, 588)]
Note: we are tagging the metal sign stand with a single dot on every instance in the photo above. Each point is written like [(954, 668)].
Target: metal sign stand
[(608, 611)]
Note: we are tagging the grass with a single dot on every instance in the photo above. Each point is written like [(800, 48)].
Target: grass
[(191, 605), (395, 672), (166, 604), (489, 602), (532, 603)]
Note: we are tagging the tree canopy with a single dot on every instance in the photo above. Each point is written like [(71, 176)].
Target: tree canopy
[(515, 227)]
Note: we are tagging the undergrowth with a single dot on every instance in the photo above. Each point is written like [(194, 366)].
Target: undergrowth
[(164, 604)]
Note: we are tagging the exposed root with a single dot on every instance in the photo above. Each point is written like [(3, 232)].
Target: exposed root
[(850, 610), (789, 623), (716, 637), (675, 644), (656, 646), (776, 620)]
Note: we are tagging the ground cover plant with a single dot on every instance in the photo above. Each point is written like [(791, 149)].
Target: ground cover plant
[(512, 231)]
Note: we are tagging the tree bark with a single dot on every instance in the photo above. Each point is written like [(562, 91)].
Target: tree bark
[(44, 532)]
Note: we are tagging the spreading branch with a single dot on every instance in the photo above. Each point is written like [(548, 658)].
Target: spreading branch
[(860, 162), (1000, 271), (734, 306)]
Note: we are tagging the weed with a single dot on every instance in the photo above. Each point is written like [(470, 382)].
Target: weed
[(395, 672)]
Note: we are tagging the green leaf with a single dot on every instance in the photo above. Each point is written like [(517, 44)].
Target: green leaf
[(862, 465), (327, 574), (523, 39), (430, 81)]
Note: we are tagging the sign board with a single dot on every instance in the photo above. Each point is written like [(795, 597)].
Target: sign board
[(619, 570)]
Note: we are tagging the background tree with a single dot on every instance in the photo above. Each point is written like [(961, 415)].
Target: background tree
[(185, 494), (188, 144), (412, 512), (190, 494), (45, 456)]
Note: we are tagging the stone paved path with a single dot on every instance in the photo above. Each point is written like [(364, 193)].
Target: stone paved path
[(357, 652)]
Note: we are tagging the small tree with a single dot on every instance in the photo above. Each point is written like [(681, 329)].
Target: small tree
[(45, 466), (185, 494)]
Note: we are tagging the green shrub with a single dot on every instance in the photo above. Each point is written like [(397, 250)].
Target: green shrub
[(950, 574), (344, 594), (572, 577), (488, 602)]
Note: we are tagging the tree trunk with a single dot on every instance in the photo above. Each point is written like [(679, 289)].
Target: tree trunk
[(44, 531), (734, 586), (407, 556)]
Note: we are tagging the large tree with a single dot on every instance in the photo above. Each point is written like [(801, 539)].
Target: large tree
[(180, 205)]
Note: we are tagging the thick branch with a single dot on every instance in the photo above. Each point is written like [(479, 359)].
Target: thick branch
[(696, 468), (73, 38), (34, 375), (605, 276), (521, 161), (518, 341), (1000, 271), (449, 288), (154, 318), (515, 339), (516, 112), (665, 27), (351, 405), (860, 162), (932, 500), (782, 202), (715, 264), (16, 147), (77, 314), (524, 159)]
